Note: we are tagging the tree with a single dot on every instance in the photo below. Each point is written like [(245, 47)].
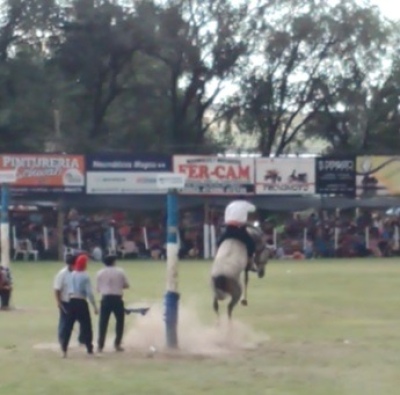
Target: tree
[(200, 44), (367, 124), (362, 115), (95, 56), (25, 116), (311, 52)]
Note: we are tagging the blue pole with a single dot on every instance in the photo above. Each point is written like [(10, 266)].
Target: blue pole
[(172, 296), (4, 226)]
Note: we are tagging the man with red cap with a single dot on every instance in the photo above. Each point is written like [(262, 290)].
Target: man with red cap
[(61, 294), (80, 290)]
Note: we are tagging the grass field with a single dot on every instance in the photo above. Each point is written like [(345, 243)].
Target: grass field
[(333, 328)]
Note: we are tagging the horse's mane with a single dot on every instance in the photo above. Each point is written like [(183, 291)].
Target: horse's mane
[(257, 234), (262, 251)]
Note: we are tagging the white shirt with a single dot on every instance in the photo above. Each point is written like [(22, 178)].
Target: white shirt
[(238, 211), (61, 283), (111, 281)]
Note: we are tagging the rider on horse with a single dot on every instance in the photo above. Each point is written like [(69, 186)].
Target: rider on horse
[(236, 221)]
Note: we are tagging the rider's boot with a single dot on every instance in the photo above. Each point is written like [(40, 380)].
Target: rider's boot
[(251, 266)]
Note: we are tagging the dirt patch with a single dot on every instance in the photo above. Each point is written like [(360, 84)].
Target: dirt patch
[(145, 336), (55, 347), (26, 309)]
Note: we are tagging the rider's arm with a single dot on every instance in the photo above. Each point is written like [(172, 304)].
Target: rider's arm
[(251, 208)]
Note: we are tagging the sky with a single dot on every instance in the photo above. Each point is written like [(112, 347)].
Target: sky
[(390, 8)]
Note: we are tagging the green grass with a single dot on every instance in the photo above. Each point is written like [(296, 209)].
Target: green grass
[(333, 327)]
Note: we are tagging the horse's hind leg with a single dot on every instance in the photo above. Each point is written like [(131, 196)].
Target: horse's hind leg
[(216, 308), (236, 293), (219, 285)]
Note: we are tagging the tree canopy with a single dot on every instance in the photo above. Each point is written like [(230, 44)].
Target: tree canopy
[(183, 76)]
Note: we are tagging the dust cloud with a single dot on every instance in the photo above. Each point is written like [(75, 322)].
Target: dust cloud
[(145, 335), (147, 332)]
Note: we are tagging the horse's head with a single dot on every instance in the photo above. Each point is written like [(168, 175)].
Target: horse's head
[(262, 252)]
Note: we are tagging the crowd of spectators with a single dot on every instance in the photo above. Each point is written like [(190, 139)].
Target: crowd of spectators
[(335, 235), (293, 236)]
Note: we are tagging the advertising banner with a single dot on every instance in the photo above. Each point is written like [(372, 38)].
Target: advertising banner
[(285, 176), (212, 175), (378, 176), (45, 172), (336, 176), (111, 174)]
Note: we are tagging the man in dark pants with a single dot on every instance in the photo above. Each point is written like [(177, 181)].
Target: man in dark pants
[(80, 291), (5, 288), (60, 287), (111, 282)]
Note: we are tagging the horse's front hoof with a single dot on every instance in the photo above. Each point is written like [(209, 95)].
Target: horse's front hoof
[(244, 302)]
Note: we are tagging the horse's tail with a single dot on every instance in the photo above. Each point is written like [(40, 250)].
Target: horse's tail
[(220, 284)]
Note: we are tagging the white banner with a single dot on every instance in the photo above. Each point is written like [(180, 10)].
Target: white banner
[(285, 176), (216, 175), (8, 176), (122, 183)]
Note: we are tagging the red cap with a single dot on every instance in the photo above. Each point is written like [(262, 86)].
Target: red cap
[(81, 263)]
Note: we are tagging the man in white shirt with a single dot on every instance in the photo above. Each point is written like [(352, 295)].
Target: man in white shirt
[(61, 294), (111, 283), (236, 220)]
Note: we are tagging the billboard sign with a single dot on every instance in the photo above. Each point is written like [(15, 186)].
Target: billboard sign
[(378, 176), (213, 175), (336, 176), (45, 172), (285, 176), (111, 174)]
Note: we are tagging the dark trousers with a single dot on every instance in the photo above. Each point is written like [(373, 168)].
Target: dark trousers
[(62, 323), (5, 295), (78, 310), (239, 233), (111, 304)]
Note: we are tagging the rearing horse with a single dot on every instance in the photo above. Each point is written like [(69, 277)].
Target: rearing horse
[(229, 263)]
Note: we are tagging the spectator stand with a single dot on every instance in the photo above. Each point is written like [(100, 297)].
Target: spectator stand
[(132, 235)]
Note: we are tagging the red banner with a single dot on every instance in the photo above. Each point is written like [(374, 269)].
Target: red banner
[(62, 172)]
